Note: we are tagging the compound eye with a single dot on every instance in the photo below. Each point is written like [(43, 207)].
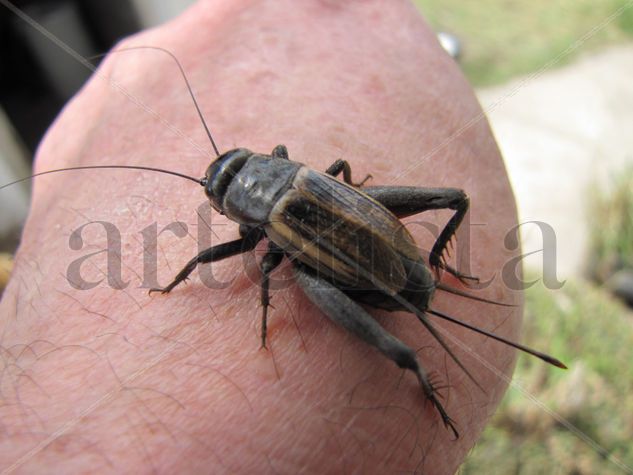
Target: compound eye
[(211, 172), (208, 190), (221, 172), (213, 199)]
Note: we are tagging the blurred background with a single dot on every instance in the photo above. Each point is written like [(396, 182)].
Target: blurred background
[(556, 81), (37, 77)]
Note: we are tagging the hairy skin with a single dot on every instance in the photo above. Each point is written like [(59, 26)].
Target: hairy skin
[(111, 380)]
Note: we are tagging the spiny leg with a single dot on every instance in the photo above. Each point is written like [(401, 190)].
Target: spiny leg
[(344, 311), (409, 200), (269, 262), (215, 253), (436, 259), (343, 166)]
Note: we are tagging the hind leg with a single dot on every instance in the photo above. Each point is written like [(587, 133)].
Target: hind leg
[(409, 200), (344, 311)]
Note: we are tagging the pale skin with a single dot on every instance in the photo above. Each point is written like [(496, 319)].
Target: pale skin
[(112, 380)]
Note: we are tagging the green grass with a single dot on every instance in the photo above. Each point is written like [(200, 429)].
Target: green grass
[(506, 38), (589, 330), (611, 230), (581, 324)]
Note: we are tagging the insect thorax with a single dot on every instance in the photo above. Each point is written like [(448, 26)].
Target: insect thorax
[(255, 190)]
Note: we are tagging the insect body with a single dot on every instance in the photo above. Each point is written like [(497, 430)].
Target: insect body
[(347, 245)]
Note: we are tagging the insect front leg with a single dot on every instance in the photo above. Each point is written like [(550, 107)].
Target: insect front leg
[(343, 166), (344, 311), (269, 262), (215, 253), (409, 200)]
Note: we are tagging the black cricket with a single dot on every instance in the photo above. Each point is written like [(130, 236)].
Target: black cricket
[(347, 244)]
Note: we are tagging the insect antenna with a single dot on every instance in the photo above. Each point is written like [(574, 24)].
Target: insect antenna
[(547, 358), (200, 181), (454, 291), (184, 76)]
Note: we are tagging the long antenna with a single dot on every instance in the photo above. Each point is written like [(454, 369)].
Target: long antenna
[(199, 181), (454, 291), (184, 76)]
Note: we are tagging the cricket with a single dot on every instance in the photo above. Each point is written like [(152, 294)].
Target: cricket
[(346, 242)]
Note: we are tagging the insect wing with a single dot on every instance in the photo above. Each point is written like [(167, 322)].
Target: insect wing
[(320, 218)]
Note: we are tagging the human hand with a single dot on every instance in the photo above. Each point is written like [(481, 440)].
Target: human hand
[(105, 379)]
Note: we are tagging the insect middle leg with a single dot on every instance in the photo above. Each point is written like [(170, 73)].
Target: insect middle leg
[(343, 166), (409, 200), (269, 262), (280, 151), (344, 311), (215, 253)]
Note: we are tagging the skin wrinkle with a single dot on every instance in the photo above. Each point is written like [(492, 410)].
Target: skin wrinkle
[(319, 91)]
